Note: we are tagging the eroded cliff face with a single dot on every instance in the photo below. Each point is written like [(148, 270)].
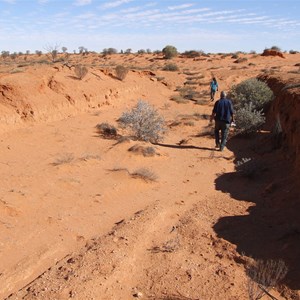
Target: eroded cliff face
[(50, 93), (284, 113)]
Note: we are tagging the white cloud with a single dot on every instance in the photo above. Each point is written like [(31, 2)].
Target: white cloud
[(131, 9), (112, 4), (43, 1), (82, 2), (180, 6)]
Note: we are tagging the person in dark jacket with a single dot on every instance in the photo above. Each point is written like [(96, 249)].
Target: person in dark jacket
[(222, 113)]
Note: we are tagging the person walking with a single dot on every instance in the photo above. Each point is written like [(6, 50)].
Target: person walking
[(213, 88), (222, 113)]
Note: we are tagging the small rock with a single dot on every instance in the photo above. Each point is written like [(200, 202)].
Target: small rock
[(138, 295)]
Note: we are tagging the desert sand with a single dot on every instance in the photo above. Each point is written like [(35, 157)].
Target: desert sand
[(76, 224)]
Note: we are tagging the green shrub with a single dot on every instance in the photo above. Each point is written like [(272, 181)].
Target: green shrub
[(293, 52), (275, 48), (251, 91), (248, 119), (191, 54), (121, 72), (169, 52), (109, 51), (249, 98), (144, 121)]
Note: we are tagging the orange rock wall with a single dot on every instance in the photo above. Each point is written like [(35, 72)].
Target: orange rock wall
[(286, 109)]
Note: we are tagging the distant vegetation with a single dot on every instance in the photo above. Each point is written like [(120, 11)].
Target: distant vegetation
[(169, 52), (53, 52), (192, 53), (275, 48), (109, 51)]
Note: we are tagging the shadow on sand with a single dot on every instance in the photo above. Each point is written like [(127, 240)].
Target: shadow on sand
[(183, 146), (271, 229)]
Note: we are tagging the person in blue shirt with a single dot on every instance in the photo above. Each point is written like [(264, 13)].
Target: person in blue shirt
[(222, 113), (213, 88)]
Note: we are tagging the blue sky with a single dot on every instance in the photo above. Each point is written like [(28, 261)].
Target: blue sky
[(208, 25)]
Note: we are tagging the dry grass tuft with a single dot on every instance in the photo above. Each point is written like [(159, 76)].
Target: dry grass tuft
[(145, 151), (121, 72), (179, 99), (81, 71), (86, 157), (142, 173), (64, 159), (106, 130), (145, 174), (169, 246), (263, 276)]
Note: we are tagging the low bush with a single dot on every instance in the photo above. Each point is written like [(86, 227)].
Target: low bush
[(145, 122), (191, 54), (106, 130), (248, 119), (170, 67)]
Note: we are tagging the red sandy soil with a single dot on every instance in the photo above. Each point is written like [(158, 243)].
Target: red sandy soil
[(76, 224)]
